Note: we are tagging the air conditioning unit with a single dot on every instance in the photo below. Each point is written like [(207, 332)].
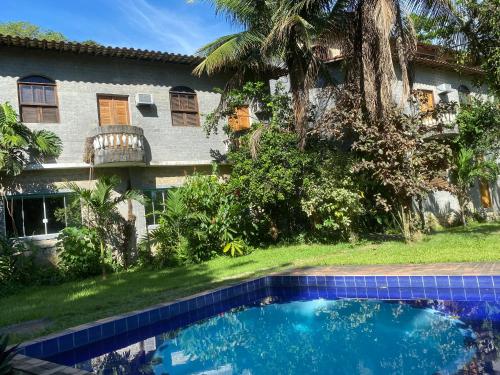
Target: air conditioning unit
[(144, 99), (444, 88)]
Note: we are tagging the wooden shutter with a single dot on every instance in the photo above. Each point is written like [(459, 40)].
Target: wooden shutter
[(184, 108), (240, 120), (113, 110), (484, 189), (48, 114), (426, 98), (38, 103), (120, 111), (29, 114)]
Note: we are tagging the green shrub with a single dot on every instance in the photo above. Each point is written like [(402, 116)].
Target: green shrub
[(200, 220), (267, 176), (163, 246), (19, 266), (331, 199), (78, 252)]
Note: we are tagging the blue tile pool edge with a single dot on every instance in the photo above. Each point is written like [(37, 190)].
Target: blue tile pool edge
[(93, 332), (460, 288)]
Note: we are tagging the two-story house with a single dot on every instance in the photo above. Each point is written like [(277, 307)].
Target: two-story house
[(131, 113), (138, 115), (437, 78)]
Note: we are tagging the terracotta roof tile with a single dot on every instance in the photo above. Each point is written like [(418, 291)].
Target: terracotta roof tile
[(98, 50)]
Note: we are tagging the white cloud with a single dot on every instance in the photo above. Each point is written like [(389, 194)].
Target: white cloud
[(172, 30)]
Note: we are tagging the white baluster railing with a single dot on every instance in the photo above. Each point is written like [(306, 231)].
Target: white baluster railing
[(118, 140)]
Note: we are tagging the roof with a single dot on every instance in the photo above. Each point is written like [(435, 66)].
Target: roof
[(97, 50), (433, 56)]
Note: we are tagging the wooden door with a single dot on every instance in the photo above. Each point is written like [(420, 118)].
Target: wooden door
[(113, 110)]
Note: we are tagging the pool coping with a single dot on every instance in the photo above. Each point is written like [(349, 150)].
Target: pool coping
[(387, 287)]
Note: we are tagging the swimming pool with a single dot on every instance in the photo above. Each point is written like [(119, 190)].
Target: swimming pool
[(297, 324)]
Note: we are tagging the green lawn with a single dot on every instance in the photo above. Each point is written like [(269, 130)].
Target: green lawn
[(75, 303)]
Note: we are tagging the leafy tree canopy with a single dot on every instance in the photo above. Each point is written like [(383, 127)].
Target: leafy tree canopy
[(25, 29), (473, 32)]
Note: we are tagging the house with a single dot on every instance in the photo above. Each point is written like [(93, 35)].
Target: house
[(437, 78), (118, 111), (138, 114)]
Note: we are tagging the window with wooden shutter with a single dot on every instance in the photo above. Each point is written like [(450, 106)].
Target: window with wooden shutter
[(184, 107), (426, 100), (113, 110), (38, 100), (240, 120)]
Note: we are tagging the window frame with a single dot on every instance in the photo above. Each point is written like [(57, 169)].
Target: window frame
[(22, 197), (187, 91), (147, 193), (38, 106)]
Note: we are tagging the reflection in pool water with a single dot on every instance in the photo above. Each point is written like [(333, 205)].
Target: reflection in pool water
[(322, 337)]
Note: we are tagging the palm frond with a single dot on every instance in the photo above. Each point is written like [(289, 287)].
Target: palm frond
[(226, 52), (46, 143)]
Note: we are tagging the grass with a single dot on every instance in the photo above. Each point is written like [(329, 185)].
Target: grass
[(79, 302)]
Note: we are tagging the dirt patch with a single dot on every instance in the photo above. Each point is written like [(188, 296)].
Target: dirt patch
[(27, 328)]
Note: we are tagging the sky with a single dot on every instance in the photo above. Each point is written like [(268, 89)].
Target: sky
[(180, 26)]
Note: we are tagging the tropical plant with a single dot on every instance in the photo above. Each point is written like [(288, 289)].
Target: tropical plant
[(19, 145), (78, 252), (276, 34), (19, 266), (479, 127), (290, 34), (99, 207), (397, 159), (267, 176), (472, 33), (331, 199), (167, 239), (215, 216), (6, 355), (467, 168)]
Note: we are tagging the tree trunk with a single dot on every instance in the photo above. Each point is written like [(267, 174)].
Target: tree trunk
[(462, 215), (300, 114), (103, 258), (300, 97)]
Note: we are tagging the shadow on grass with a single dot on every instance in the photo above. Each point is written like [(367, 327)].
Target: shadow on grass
[(479, 229), (75, 303)]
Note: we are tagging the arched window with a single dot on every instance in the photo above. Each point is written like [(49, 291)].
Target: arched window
[(38, 99), (463, 95), (184, 106)]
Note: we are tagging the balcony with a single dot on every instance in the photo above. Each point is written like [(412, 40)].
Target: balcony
[(442, 123), (116, 145)]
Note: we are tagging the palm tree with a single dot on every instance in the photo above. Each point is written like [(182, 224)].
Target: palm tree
[(19, 145), (287, 33), (99, 207), (277, 34), (467, 168)]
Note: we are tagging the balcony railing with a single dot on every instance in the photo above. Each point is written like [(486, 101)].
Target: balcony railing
[(116, 144), (442, 123)]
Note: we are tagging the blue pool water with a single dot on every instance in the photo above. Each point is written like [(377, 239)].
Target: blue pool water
[(340, 336)]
